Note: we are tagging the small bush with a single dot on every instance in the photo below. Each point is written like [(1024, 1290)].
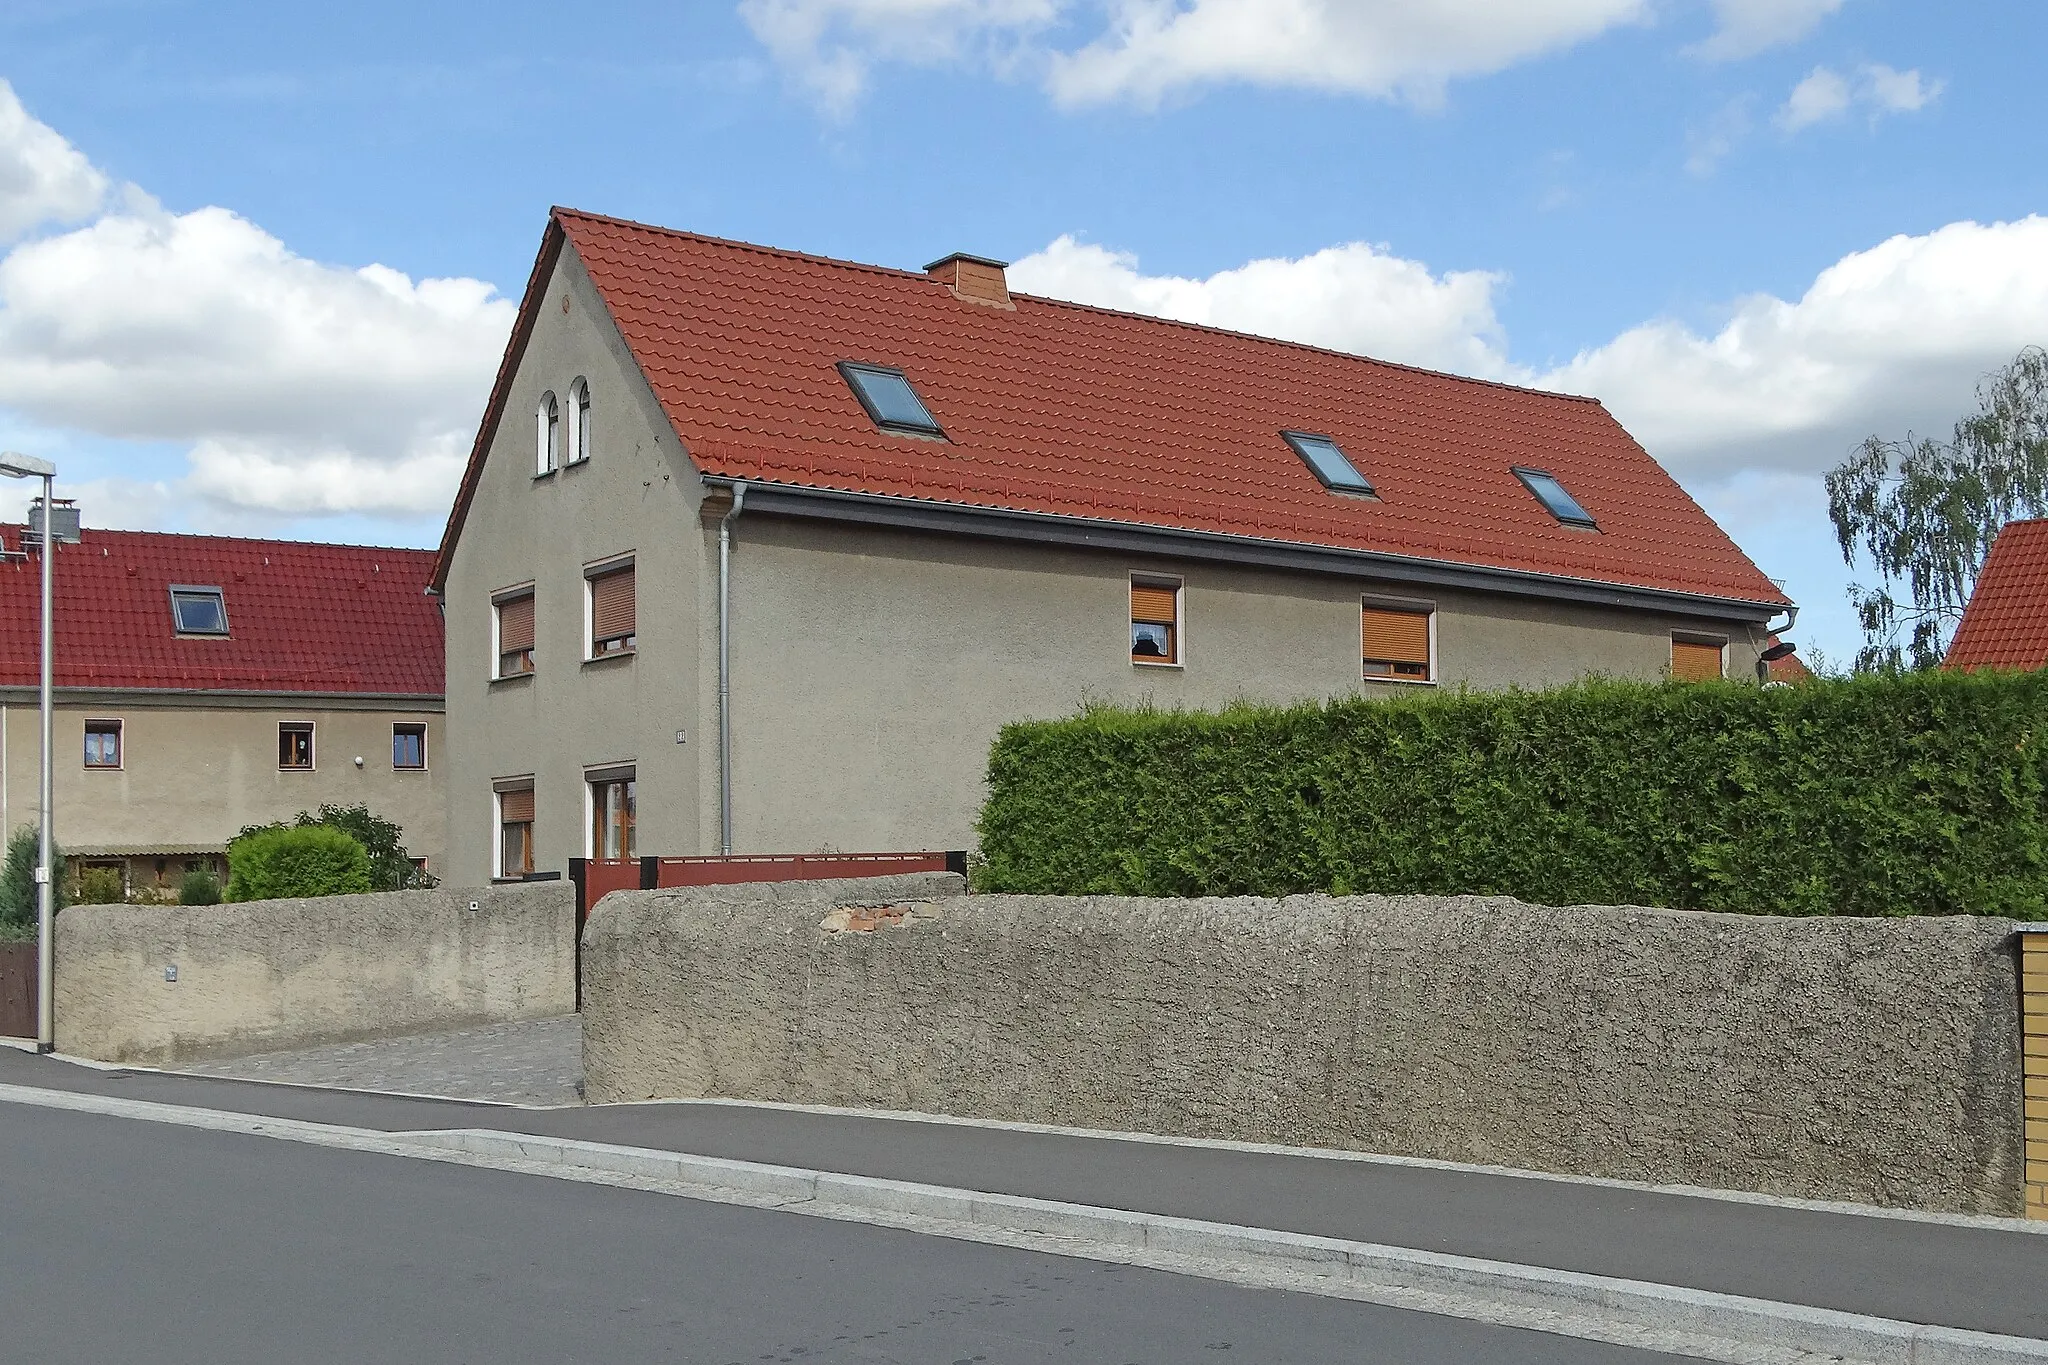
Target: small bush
[(18, 883), (199, 887), (284, 864), (100, 886), (391, 867)]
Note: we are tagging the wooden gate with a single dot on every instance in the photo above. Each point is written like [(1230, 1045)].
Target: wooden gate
[(18, 990)]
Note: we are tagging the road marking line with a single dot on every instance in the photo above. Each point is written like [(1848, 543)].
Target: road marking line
[(1698, 1323)]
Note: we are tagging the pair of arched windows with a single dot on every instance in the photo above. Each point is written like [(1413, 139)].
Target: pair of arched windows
[(554, 445)]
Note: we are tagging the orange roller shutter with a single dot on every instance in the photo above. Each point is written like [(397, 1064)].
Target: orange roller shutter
[(611, 605), (1152, 604), (515, 625), (516, 808), (1396, 637), (1695, 662)]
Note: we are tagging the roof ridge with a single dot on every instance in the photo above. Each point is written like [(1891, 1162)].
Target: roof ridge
[(236, 540), (812, 258)]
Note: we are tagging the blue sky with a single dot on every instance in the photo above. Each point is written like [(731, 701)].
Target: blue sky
[(1758, 228)]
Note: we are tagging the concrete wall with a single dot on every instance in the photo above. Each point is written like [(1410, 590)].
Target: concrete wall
[(266, 975), (637, 494), (196, 770), (1868, 1060)]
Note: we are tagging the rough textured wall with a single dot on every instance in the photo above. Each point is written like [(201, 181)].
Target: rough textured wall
[(1869, 1060), (278, 974)]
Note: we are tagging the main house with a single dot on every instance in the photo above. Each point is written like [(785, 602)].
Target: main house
[(203, 684), (759, 549)]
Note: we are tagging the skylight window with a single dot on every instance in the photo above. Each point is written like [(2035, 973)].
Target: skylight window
[(1329, 462), (199, 611), (1552, 495), (889, 399)]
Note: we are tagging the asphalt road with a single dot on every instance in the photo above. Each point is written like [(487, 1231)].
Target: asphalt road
[(125, 1240)]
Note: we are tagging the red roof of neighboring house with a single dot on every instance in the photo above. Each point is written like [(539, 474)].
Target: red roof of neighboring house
[(1083, 412), (1790, 669), (2005, 624), (301, 618)]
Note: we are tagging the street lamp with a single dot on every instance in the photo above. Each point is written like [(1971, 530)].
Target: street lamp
[(29, 467)]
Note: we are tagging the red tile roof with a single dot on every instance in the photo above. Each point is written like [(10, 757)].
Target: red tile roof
[(301, 618), (2005, 624), (1083, 412)]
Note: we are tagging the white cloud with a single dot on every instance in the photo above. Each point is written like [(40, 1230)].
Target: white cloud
[(1747, 27), (43, 178), (1709, 144), (1885, 339), (1392, 48), (1827, 94), (1355, 297), (298, 387), (831, 44)]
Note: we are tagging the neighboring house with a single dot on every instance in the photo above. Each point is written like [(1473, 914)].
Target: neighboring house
[(951, 506), (2005, 624), (204, 684)]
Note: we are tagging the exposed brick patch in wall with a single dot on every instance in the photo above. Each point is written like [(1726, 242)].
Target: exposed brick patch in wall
[(865, 919)]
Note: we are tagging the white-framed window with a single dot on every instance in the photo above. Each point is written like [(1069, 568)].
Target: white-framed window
[(512, 849), (1698, 658), (609, 800), (1156, 625), (547, 435), (1397, 640), (610, 610), (512, 632), (579, 421), (409, 746)]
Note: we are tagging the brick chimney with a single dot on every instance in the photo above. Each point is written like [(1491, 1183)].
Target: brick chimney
[(974, 279)]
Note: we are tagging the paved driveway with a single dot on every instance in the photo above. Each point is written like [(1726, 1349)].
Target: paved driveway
[(540, 1062)]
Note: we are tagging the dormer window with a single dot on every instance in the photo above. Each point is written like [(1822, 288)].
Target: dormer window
[(1329, 462), (199, 611), (1554, 496), (890, 401), (547, 436)]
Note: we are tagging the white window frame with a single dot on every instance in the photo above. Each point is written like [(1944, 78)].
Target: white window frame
[(1141, 578), (1385, 603), (594, 775), (120, 744), (498, 601), (547, 435), (598, 569), (499, 787), (576, 450)]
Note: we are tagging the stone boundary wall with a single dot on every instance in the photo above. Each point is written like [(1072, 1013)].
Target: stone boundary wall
[(1870, 1060), (267, 975)]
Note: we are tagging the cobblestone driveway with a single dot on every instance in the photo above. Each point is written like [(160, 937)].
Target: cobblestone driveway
[(532, 1063)]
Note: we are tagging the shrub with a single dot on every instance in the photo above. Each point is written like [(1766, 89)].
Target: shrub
[(281, 864), (100, 886), (18, 882), (198, 887), (1913, 794), (391, 867)]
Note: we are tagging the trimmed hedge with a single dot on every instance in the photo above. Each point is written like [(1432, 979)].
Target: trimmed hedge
[(1913, 794), (289, 863)]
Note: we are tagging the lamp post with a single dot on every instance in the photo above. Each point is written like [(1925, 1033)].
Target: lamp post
[(29, 467)]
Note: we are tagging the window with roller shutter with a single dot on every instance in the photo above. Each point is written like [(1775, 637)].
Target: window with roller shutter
[(1697, 660), (1155, 621), (515, 831), (612, 627), (515, 634), (1394, 641)]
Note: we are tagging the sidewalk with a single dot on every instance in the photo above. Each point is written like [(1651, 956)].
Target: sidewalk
[(1976, 1275)]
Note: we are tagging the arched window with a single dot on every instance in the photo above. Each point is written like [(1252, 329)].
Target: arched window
[(548, 436), (579, 421)]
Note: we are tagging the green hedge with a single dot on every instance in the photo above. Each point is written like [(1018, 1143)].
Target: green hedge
[(287, 863), (1914, 794)]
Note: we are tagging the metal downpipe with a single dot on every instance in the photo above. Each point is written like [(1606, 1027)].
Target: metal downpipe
[(739, 501)]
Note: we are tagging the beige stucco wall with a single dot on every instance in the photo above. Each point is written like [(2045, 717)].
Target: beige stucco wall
[(871, 668), (196, 771), (281, 974), (637, 494), (1874, 1060)]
